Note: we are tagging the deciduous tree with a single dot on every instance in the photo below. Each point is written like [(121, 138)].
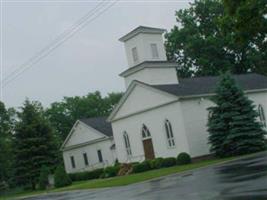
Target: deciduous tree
[(204, 41)]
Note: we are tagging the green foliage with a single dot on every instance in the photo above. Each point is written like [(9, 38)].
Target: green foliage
[(43, 179), (81, 176), (34, 144), (111, 171), (249, 18), (183, 158), (141, 167), (205, 41), (233, 125), (61, 177), (168, 162), (6, 156), (117, 162), (63, 115), (156, 163)]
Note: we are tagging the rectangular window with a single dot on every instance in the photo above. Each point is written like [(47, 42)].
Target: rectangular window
[(100, 158), (154, 51), (85, 158), (135, 54), (72, 162)]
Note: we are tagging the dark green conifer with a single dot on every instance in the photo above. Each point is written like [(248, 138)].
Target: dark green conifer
[(233, 121)]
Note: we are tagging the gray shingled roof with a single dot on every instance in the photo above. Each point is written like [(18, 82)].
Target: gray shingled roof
[(100, 124), (207, 85)]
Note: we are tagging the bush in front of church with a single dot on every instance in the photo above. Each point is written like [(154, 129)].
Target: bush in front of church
[(183, 158), (156, 163), (111, 171), (61, 177), (169, 162), (82, 176), (141, 167)]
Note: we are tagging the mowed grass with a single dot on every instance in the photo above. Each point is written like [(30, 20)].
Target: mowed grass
[(122, 180), (140, 177)]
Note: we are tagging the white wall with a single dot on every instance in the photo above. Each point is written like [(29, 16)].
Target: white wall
[(142, 98), (91, 151), (196, 117), (153, 76), (142, 43), (82, 133), (154, 120)]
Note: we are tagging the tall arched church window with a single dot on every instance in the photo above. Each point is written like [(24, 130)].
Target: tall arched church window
[(262, 115), (145, 132), (127, 143), (169, 133)]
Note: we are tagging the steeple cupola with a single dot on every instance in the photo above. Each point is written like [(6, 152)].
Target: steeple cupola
[(144, 44), (146, 57)]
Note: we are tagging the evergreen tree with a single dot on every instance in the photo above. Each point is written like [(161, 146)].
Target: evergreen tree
[(233, 122), (43, 179), (5, 144), (33, 143)]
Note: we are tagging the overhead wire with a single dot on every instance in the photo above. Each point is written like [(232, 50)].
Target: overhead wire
[(98, 10)]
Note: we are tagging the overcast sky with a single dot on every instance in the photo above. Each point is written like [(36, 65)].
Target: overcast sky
[(90, 60)]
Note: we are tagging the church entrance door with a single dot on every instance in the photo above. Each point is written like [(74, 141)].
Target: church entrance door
[(148, 149)]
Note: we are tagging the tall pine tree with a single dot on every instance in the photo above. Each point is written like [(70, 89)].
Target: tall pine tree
[(34, 144), (233, 122), (5, 144)]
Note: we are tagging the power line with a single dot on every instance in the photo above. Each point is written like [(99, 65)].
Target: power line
[(57, 39), (81, 23)]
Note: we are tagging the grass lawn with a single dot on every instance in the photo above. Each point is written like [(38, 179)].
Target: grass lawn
[(139, 177), (123, 180)]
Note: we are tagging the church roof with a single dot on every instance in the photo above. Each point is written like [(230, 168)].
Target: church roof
[(100, 124), (148, 64), (141, 29), (207, 85)]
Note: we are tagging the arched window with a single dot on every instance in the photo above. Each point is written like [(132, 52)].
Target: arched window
[(127, 143), (169, 133), (262, 115), (210, 113), (145, 132)]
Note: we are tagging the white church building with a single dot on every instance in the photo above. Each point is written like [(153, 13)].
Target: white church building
[(159, 115)]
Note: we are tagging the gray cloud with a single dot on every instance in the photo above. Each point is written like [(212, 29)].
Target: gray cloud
[(89, 61)]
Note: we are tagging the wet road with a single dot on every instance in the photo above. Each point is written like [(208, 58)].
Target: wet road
[(245, 179)]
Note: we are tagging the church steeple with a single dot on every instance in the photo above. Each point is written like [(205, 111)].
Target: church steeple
[(144, 44), (146, 57)]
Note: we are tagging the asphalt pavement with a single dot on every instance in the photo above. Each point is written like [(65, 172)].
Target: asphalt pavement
[(243, 179)]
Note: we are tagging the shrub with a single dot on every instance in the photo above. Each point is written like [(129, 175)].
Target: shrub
[(61, 177), (82, 176), (43, 179), (168, 162), (183, 158), (156, 163), (141, 167), (117, 163), (111, 171)]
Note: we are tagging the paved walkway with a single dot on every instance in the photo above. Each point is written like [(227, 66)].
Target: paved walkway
[(244, 179)]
